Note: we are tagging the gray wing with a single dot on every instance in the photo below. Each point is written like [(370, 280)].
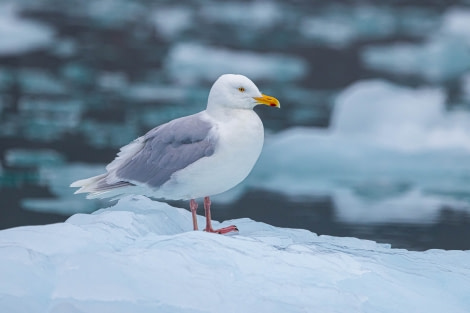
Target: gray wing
[(167, 149)]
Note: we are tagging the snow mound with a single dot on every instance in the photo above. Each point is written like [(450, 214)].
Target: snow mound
[(141, 256)]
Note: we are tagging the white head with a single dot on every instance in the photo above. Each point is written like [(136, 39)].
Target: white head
[(237, 92)]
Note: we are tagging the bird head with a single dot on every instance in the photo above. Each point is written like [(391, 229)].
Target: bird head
[(238, 92)]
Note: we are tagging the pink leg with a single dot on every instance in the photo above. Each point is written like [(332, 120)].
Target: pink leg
[(207, 208), (193, 207)]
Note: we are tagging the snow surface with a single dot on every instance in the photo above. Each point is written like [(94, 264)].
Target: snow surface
[(141, 256)]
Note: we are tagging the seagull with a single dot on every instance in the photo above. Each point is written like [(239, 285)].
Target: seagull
[(191, 157)]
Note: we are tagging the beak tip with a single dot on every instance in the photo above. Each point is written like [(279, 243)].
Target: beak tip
[(268, 100)]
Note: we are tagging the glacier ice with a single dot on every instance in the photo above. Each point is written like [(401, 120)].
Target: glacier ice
[(141, 256)]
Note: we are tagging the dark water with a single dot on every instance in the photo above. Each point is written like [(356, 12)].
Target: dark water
[(128, 51)]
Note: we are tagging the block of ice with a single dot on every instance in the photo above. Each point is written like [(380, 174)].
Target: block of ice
[(18, 35), (191, 62), (140, 256)]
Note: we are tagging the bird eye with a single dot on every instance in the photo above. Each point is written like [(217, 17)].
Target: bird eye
[(241, 89)]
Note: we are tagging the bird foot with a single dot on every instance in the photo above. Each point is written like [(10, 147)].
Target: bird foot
[(223, 231)]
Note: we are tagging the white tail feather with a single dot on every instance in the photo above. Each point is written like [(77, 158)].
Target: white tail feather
[(88, 184)]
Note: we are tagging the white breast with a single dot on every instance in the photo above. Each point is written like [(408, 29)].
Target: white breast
[(239, 144)]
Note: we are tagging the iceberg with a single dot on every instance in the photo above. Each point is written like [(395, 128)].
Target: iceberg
[(141, 256)]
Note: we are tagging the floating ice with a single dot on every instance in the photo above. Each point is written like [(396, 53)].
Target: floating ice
[(99, 134), (34, 81), (114, 81), (58, 178), (109, 13), (20, 157), (456, 22), (47, 120), (172, 21), (339, 26), (18, 35), (191, 62), (141, 256), (258, 15), (400, 118), (150, 92), (443, 56), (438, 59)]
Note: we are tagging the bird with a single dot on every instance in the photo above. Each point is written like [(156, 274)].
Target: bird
[(191, 157)]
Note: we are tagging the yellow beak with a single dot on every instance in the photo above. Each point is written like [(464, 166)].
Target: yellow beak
[(267, 100)]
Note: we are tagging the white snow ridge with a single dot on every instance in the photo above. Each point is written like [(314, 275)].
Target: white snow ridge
[(140, 256)]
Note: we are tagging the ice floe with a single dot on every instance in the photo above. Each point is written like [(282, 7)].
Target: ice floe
[(141, 256)]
